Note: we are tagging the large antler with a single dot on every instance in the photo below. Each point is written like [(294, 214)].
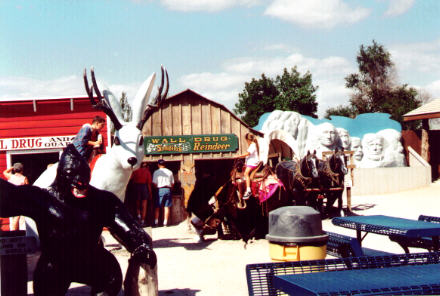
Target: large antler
[(103, 103), (157, 101)]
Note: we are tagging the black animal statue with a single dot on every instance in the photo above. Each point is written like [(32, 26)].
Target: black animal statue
[(332, 171), (220, 207), (297, 177), (70, 216)]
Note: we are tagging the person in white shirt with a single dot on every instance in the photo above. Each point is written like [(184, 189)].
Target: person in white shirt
[(163, 179), (252, 156)]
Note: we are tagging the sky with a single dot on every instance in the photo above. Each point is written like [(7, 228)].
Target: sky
[(211, 46)]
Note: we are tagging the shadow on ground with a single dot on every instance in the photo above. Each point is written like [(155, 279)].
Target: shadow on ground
[(363, 207), (180, 292), (187, 243)]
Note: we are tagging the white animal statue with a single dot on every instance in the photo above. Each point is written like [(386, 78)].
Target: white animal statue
[(112, 170)]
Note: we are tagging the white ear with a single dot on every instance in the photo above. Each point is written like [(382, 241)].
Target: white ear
[(141, 99), (114, 103)]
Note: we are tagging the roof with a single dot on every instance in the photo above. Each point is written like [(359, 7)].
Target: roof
[(30, 99), (427, 111), (217, 105)]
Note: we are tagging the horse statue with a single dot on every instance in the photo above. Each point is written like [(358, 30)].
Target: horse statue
[(223, 209), (332, 171), (112, 170), (298, 176)]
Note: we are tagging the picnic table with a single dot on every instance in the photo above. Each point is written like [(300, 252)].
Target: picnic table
[(373, 281), (409, 274), (391, 226)]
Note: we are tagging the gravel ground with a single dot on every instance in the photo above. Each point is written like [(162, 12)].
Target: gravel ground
[(217, 267)]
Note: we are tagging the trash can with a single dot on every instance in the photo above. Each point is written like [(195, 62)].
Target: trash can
[(13, 265), (295, 233)]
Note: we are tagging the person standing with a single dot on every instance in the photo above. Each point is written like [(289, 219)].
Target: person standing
[(15, 176), (163, 180), (83, 141), (141, 182), (252, 156)]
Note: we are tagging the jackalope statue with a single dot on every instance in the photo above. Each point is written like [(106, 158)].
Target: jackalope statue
[(112, 170)]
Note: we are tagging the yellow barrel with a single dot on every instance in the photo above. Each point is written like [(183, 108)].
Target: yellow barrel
[(296, 252), (295, 234)]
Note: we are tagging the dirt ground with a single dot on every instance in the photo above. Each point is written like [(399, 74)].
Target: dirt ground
[(217, 267)]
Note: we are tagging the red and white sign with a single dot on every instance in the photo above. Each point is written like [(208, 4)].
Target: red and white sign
[(35, 143)]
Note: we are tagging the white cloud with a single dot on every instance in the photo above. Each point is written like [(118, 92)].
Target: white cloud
[(23, 87), (433, 89), (205, 5), (418, 64), (224, 87), (398, 7), (421, 57), (316, 13), (12, 88)]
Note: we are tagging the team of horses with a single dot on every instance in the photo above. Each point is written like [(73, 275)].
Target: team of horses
[(308, 181)]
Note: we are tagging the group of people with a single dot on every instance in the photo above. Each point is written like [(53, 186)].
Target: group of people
[(143, 188)]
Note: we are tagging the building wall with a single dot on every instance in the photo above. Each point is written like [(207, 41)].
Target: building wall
[(188, 113), (44, 118), (394, 179)]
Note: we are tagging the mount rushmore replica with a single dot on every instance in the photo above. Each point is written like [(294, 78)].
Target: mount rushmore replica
[(374, 137)]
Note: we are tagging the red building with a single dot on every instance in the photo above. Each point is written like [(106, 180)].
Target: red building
[(35, 131)]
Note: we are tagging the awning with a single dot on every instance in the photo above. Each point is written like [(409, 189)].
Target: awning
[(427, 111)]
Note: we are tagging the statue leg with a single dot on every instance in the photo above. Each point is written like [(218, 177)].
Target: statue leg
[(49, 279), (102, 273)]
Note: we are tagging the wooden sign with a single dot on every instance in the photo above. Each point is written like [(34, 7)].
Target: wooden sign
[(17, 245), (190, 144), (35, 143)]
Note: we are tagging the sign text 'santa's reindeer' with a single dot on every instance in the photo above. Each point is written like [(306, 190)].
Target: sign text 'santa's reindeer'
[(112, 170)]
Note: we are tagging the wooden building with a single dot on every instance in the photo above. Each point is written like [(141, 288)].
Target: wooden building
[(430, 139), (35, 131), (195, 135)]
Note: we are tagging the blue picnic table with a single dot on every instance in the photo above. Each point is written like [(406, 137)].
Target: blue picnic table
[(409, 274), (376, 281), (391, 226)]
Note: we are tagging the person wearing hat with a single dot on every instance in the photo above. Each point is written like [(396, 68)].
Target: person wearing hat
[(163, 179), (15, 176)]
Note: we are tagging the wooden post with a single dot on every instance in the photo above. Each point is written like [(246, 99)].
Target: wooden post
[(140, 279), (187, 177), (425, 140)]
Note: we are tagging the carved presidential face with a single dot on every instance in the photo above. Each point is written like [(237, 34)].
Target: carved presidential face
[(326, 134), (356, 146), (373, 148), (345, 138)]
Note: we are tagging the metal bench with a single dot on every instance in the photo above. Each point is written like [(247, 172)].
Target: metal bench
[(432, 219), (343, 246), (14, 246), (422, 242), (259, 276)]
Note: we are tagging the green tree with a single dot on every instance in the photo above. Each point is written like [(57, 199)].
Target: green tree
[(127, 113), (289, 92), (256, 99), (296, 93), (346, 111), (375, 87)]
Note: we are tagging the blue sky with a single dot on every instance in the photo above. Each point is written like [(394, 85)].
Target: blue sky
[(210, 46)]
